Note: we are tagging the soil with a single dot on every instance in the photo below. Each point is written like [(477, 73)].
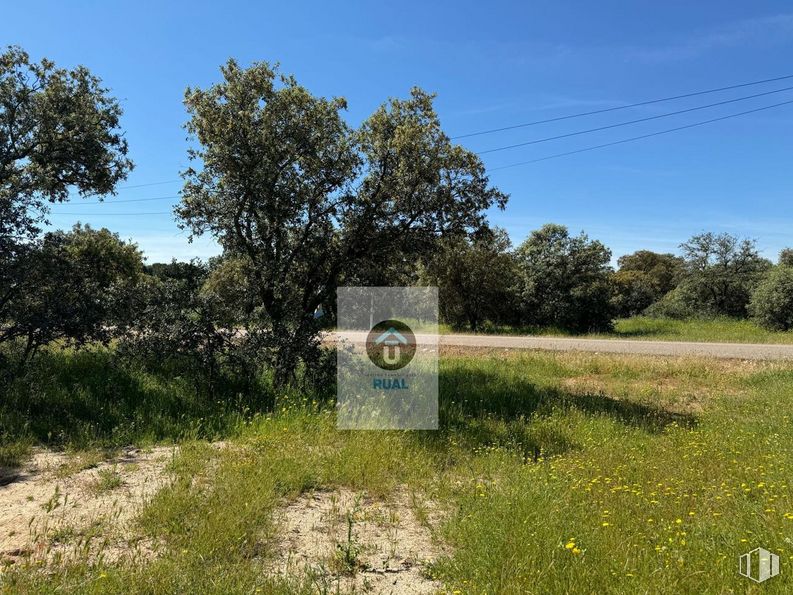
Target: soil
[(348, 541), (59, 505)]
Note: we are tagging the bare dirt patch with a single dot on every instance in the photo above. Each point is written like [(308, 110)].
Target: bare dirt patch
[(348, 541), (59, 506)]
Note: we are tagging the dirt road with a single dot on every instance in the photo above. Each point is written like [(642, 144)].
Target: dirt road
[(745, 351)]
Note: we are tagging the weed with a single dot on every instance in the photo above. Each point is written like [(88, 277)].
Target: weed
[(348, 551), (107, 479)]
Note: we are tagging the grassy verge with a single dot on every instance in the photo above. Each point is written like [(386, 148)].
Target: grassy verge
[(556, 471), (722, 330), (718, 330)]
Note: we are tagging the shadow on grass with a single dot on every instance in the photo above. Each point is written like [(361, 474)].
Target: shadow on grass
[(474, 393), (90, 398), (492, 409)]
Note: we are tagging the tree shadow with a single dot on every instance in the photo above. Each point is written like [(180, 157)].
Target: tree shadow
[(91, 398), (485, 408), (476, 393)]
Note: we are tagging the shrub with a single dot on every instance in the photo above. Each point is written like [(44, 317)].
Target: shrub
[(633, 292), (644, 277), (772, 301), (170, 321), (67, 288), (680, 303), (474, 279)]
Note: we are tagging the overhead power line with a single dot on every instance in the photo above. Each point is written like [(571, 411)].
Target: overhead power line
[(147, 185), (629, 122), (113, 214), (621, 107), (643, 136), (536, 141), (150, 184), (112, 201)]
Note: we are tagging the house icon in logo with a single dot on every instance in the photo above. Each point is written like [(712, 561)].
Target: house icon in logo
[(391, 340), (391, 345), (759, 565)]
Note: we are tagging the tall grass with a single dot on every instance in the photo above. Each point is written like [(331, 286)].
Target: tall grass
[(93, 398), (725, 330)]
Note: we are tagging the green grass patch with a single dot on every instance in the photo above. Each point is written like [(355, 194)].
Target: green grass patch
[(107, 480), (722, 330), (555, 471), (718, 330), (91, 399)]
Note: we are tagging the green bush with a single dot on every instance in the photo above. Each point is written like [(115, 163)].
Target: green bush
[(474, 280), (643, 278), (564, 281), (772, 301), (680, 303), (633, 291)]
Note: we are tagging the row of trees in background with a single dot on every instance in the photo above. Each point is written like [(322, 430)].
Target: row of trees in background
[(301, 203), (554, 279), (88, 285)]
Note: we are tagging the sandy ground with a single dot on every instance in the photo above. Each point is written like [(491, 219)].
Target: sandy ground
[(61, 505), (347, 541)]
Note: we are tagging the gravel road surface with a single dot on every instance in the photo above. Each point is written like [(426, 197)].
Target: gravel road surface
[(746, 351)]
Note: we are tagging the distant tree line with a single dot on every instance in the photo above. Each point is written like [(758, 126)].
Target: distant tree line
[(557, 280)]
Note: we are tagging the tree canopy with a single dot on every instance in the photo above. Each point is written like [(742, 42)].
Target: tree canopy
[(564, 280), (475, 279), (284, 182), (59, 130), (722, 271), (643, 278)]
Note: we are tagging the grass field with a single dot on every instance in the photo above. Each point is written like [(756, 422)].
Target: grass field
[(551, 473), (719, 330)]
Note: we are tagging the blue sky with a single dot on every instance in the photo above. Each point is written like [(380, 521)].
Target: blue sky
[(492, 64)]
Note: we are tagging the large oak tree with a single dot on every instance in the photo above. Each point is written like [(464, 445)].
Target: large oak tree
[(282, 180)]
